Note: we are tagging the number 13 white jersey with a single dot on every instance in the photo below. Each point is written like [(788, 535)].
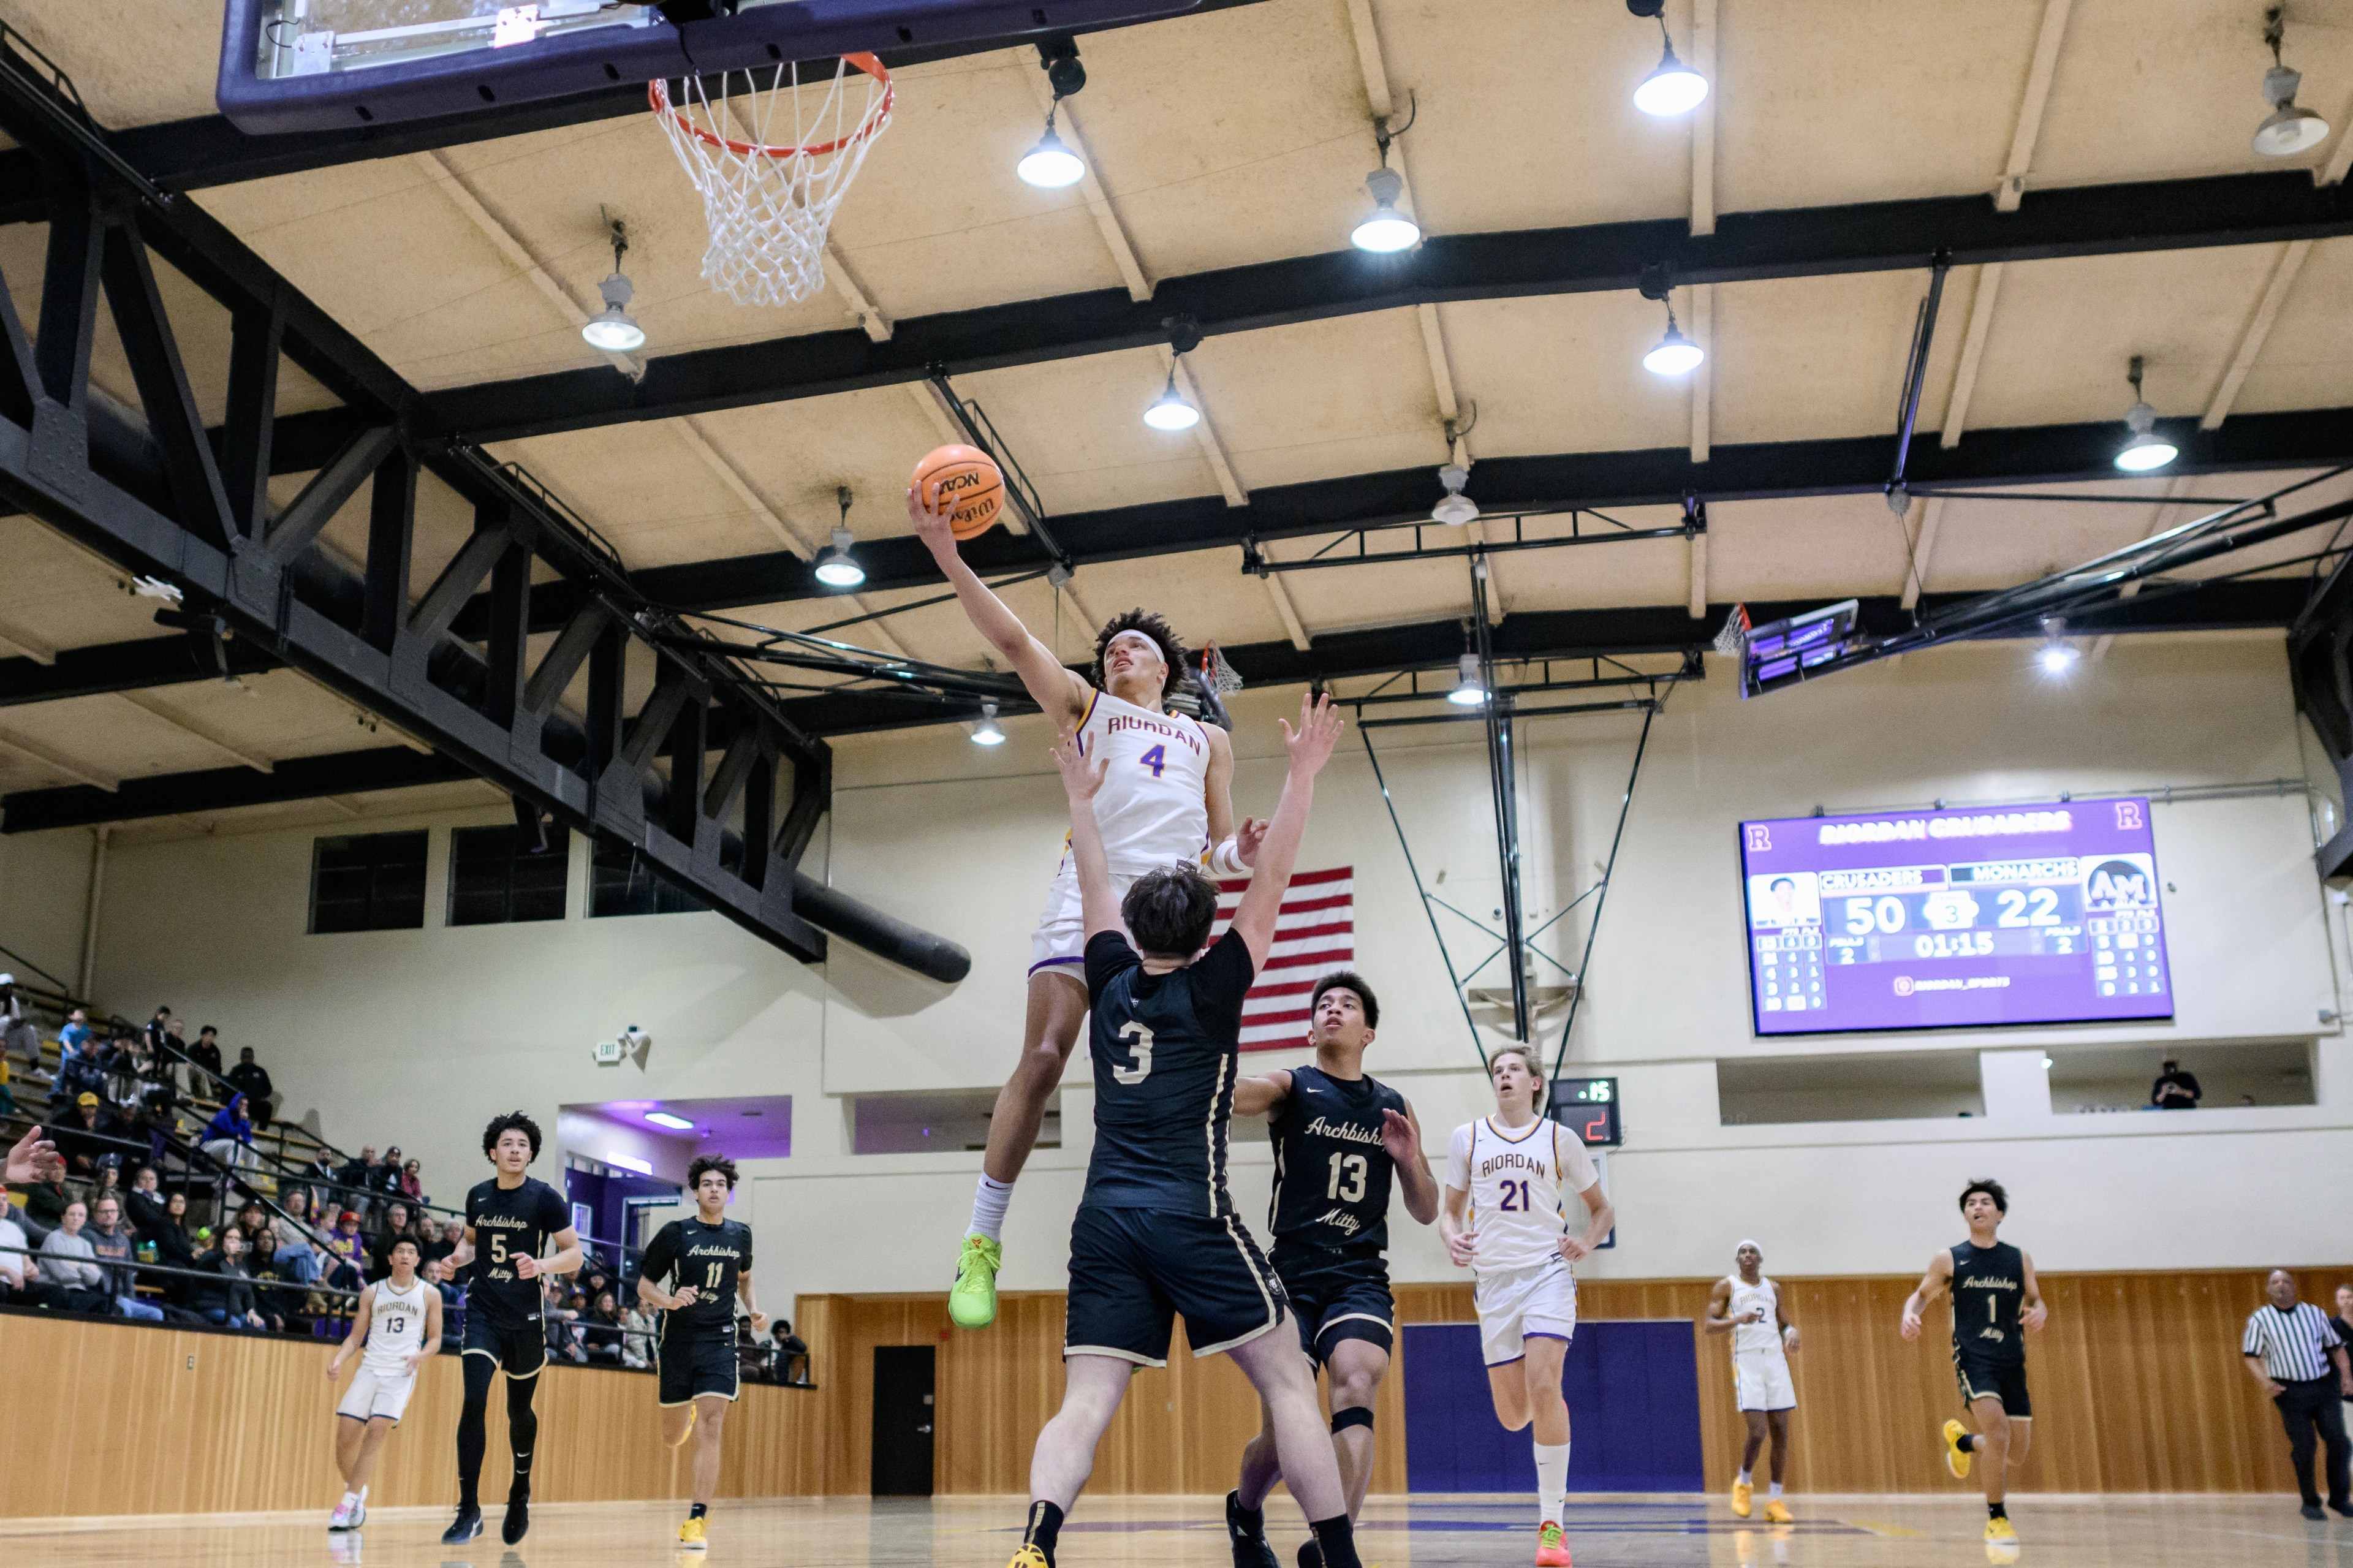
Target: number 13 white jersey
[(1521, 1183), (396, 1326)]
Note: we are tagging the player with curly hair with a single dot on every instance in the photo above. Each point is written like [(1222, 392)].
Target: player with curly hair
[(509, 1218), (692, 1272), (1167, 800)]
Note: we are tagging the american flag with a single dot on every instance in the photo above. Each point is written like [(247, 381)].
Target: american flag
[(1315, 934)]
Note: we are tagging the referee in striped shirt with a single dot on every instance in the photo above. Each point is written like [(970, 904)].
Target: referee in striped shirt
[(2290, 1347)]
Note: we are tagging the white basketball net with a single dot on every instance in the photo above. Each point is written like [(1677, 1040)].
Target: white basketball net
[(773, 162), (1221, 676)]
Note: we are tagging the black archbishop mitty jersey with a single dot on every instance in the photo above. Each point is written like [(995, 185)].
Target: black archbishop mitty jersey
[(1331, 1175), (1988, 1296), (710, 1257), (509, 1223), (1164, 1047)]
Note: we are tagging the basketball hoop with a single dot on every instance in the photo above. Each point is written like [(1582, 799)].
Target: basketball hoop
[(772, 169)]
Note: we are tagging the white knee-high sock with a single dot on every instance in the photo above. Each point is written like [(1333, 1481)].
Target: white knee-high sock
[(988, 1201), (1552, 1480)]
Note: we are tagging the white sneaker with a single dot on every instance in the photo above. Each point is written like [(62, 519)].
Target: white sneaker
[(348, 1514), (359, 1512)]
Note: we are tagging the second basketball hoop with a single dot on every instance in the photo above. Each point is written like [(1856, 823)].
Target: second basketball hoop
[(772, 163)]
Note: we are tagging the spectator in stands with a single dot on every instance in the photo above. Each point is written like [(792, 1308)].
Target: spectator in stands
[(563, 1322), (293, 1253), (18, 1036), (110, 1181), (359, 1179), (232, 1301), (349, 1246), (13, 1259), (66, 1262), (80, 1136), (122, 1058), (142, 1206), (453, 1304), (440, 1241), (604, 1329), (637, 1334), (80, 1072), (412, 1182), (384, 1182), (110, 1243), (228, 1138), (44, 1209), (792, 1353), (206, 1054), (76, 1031), (156, 1026), (399, 1225), (7, 1091), (251, 1079), (320, 1175), (175, 1248), (2175, 1090)]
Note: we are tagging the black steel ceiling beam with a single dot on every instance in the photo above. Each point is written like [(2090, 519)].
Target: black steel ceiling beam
[(1795, 242), (138, 665), (225, 789)]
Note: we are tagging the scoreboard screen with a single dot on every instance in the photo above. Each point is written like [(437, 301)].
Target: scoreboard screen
[(2045, 914), (1590, 1106)]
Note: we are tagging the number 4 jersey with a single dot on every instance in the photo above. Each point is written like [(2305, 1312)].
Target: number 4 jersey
[(710, 1257), (1520, 1181)]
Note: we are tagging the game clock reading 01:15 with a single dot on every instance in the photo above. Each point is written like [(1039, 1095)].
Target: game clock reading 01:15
[(2043, 914)]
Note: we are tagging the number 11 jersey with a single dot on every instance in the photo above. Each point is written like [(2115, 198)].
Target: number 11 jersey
[(1520, 1181), (710, 1257)]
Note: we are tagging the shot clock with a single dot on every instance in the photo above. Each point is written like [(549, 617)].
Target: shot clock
[(1590, 1106)]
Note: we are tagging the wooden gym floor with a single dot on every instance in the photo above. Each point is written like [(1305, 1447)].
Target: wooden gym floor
[(1648, 1532)]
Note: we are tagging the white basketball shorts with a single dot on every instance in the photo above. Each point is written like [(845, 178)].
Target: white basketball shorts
[(1060, 942), (376, 1395), (1760, 1381), (1525, 1303)]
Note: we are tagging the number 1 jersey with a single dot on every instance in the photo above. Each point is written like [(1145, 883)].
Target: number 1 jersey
[(1164, 1048), (1520, 1181)]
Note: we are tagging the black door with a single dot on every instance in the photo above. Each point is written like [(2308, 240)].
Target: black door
[(902, 1421)]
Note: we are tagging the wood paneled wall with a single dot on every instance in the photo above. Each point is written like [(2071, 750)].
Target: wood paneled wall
[(121, 1418), (2138, 1384), (2137, 1389)]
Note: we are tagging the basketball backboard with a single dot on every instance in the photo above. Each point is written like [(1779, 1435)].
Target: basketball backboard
[(327, 65)]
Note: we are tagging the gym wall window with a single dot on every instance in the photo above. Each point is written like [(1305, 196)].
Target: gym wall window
[(368, 881), (495, 879), (623, 883)]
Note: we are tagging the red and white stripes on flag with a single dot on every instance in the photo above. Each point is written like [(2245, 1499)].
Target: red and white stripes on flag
[(1315, 934)]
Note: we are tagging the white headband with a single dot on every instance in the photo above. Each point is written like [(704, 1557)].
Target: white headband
[(1150, 645), (1738, 1245)]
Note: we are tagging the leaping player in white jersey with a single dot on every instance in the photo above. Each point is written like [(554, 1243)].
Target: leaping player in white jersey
[(398, 1324), (1749, 1306), (1167, 798), (1505, 1217)]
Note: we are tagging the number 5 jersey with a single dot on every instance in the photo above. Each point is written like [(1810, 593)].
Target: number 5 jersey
[(1520, 1181)]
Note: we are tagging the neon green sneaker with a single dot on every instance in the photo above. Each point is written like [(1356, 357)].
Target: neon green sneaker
[(972, 1301)]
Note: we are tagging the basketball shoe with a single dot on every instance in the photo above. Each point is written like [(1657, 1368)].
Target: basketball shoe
[(1956, 1458), (692, 1537), (1777, 1512), (1741, 1493), (972, 1299), (2000, 1540), (1552, 1547)]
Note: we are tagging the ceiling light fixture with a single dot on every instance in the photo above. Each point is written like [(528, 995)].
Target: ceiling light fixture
[(2287, 130), (1454, 508), (664, 1119), (1674, 88), (1386, 230), (613, 329), (987, 732), (835, 568), (1051, 165), (2146, 450), (1469, 692), (1674, 355), (2057, 655), (1172, 410)]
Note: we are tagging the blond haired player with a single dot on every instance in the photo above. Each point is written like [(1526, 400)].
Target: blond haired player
[(1167, 799), (398, 1325), (1505, 1218), (1749, 1306)]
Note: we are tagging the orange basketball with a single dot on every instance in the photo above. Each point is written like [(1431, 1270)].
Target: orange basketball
[(971, 479)]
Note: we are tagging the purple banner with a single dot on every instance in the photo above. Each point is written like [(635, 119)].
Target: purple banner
[(1930, 920)]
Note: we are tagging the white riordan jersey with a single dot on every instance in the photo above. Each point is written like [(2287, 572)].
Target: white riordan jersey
[(1152, 807), (396, 1326), (1521, 1183), (1765, 1334)]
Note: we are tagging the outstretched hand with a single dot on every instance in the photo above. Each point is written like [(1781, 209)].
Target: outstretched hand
[(1311, 744), (1081, 775), (929, 513), (1247, 839), (34, 1159), (1398, 1139)]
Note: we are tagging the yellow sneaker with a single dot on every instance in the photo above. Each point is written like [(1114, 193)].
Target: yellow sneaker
[(2000, 1540), (1777, 1512), (1956, 1458), (1029, 1557), (690, 1537), (1741, 1494), (972, 1299)]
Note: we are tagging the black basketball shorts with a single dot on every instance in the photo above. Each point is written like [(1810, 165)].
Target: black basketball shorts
[(519, 1350), (695, 1359), (2005, 1381), (1336, 1294), (1133, 1271)]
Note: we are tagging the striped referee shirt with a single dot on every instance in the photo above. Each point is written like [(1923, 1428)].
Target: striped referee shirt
[(2294, 1344)]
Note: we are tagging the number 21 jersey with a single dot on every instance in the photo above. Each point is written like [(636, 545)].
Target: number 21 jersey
[(1520, 1181)]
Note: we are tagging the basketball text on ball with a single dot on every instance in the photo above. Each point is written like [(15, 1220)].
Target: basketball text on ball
[(967, 483)]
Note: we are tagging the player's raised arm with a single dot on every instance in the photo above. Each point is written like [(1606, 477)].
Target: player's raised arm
[(1081, 776), (1401, 1141), (1258, 1095), (1310, 746), (1062, 694), (1932, 1285)]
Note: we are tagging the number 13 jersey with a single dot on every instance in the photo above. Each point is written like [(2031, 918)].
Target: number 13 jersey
[(1331, 1173), (1520, 1182)]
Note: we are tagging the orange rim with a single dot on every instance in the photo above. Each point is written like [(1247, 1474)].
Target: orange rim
[(658, 94)]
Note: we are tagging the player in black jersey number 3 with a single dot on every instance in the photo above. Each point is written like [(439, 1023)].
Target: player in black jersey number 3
[(1996, 1303), (1156, 1234), (508, 1219), (707, 1262), (1338, 1134)]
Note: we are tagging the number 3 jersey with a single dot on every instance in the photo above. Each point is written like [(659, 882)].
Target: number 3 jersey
[(1520, 1181), (710, 1257), (1331, 1173), (1164, 1048)]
